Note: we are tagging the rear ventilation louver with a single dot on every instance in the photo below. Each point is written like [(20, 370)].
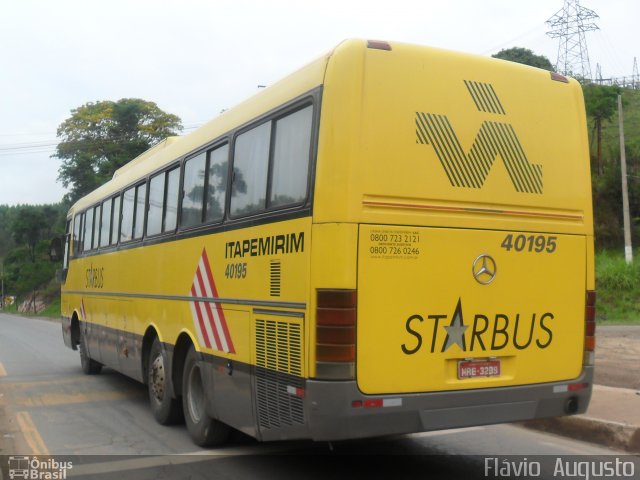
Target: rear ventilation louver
[(275, 276), (279, 373)]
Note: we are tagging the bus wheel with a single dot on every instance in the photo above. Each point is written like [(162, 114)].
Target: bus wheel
[(166, 409), (89, 366), (204, 430)]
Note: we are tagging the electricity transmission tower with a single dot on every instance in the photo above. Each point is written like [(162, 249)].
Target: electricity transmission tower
[(569, 25), (598, 78)]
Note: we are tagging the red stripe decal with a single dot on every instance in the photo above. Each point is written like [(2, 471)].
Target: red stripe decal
[(210, 318), (223, 320), (203, 330)]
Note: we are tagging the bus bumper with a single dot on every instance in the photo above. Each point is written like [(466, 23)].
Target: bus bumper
[(338, 410)]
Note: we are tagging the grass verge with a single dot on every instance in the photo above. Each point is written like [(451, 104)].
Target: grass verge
[(618, 289), (52, 310)]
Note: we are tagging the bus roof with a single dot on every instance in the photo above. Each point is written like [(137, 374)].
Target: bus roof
[(174, 148)]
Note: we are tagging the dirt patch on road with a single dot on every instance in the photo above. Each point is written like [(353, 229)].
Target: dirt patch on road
[(618, 356)]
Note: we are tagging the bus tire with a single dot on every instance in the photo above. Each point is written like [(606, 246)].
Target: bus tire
[(89, 366), (166, 409), (204, 430)]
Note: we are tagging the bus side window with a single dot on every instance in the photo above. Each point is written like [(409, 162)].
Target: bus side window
[(217, 183), (96, 226), (171, 201), (115, 224), (126, 228), (88, 230), (67, 239), (193, 196), (105, 225), (291, 158), (83, 219), (156, 202), (250, 166), (77, 221), (138, 222)]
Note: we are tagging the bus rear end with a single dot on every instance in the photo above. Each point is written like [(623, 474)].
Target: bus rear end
[(453, 196)]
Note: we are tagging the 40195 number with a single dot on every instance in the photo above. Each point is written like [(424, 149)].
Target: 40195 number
[(236, 270), (530, 243)]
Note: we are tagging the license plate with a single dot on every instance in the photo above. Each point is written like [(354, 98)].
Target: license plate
[(478, 368)]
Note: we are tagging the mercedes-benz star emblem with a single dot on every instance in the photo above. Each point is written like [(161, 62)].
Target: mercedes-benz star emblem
[(484, 269)]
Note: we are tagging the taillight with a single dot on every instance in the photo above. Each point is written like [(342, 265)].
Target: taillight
[(590, 327), (336, 334)]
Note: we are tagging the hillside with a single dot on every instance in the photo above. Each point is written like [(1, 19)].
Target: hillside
[(611, 147), (607, 191)]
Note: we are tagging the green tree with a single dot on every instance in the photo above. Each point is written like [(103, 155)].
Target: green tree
[(28, 225), (524, 56), (601, 103), (28, 270), (6, 237), (101, 137)]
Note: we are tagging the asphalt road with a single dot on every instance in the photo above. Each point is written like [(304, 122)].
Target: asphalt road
[(617, 354), (102, 424)]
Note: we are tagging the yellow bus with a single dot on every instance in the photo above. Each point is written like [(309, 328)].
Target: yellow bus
[(392, 239)]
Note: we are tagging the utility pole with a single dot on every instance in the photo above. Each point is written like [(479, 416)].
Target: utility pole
[(628, 252)]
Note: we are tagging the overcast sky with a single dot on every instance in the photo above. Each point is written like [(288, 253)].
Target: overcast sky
[(195, 57)]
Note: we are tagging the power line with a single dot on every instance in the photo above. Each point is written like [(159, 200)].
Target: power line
[(36, 152), (50, 145), (26, 145), (512, 41), (191, 126)]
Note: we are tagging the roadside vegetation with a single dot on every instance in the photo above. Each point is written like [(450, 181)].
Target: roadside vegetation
[(618, 288), (28, 274), (96, 139), (617, 284)]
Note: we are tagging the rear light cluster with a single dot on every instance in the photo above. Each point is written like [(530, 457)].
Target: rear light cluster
[(336, 334), (590, 328)]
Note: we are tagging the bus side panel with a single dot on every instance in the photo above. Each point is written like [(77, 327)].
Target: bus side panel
[(278, 374), (230, 384)]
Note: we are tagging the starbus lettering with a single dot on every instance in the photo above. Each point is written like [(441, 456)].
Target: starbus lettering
[(261, 246), (94, 277), (486, 332)]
